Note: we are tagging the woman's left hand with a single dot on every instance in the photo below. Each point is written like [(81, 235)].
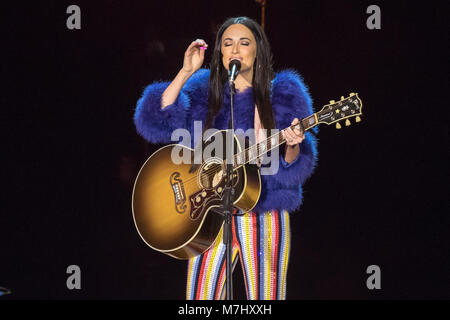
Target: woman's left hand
[(295, 136)]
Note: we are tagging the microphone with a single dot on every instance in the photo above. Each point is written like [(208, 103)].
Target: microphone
[(233, 69)]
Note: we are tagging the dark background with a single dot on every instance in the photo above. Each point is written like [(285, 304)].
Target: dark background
[(70, 150)]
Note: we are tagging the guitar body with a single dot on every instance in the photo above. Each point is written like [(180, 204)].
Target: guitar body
[(174, 208)]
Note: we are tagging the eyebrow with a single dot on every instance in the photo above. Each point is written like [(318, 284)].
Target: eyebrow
[(244, 38)]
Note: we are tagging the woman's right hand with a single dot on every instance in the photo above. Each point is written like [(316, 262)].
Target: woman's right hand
[(194, 56)]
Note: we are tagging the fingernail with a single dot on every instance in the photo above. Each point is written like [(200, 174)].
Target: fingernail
[(204, 48)]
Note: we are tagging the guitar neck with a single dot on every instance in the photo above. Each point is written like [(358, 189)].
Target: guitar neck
[(331, 113), (259, 149)]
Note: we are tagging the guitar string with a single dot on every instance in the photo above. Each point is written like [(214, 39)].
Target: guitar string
[(211, 172), (217, 167), (214, 172)]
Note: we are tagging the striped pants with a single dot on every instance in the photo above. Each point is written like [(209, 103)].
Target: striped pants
[(262, 242)]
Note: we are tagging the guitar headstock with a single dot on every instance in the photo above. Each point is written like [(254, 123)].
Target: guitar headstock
[(344, 109)]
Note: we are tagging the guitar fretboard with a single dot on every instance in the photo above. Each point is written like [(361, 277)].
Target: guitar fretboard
[(259, 149)]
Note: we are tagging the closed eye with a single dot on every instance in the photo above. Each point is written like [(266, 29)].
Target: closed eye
[(242, 43)]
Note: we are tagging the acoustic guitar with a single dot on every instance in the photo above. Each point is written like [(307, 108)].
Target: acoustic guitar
[(176, 207)]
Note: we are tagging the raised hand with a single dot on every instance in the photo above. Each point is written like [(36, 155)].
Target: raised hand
[(194, 56)]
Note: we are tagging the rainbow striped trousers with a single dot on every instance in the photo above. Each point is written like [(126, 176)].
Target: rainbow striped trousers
[(262, 243)]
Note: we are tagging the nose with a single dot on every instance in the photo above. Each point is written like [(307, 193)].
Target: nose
[(235, 48)]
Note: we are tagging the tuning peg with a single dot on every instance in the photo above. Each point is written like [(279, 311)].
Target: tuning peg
[(358, 119), (332, 101), (342, 97), (347, 122), (352, 94), (338, 126)]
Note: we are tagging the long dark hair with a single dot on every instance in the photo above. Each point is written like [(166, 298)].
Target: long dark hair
[(262, 74)]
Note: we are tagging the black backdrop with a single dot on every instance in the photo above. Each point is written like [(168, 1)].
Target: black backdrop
[(71, 152)]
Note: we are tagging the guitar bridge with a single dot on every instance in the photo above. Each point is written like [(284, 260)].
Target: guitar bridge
[(178, 192)]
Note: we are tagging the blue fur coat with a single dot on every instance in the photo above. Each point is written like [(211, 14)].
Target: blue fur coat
[(290, 99)]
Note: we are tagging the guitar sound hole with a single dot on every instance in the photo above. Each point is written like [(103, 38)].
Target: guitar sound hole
[(210, 175)]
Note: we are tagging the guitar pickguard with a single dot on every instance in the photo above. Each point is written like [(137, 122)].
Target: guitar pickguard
[(203, 198)]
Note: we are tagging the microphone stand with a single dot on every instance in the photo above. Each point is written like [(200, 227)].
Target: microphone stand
[(228, 199)]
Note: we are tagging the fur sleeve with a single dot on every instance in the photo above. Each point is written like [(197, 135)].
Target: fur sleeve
[(290, 99), (155, 124)]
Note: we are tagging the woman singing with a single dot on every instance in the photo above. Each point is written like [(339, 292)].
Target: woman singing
[(263, 100)]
